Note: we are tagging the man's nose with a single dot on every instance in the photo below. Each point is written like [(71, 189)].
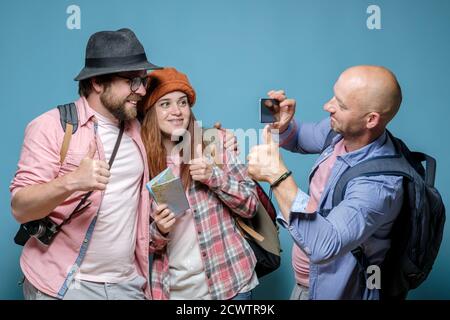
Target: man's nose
[(141, 90), (329, 106)]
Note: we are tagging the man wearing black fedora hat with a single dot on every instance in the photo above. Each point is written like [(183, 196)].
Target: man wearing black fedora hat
[(95, 214)]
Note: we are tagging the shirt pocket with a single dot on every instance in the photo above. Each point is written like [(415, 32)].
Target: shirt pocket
[(71, 163)]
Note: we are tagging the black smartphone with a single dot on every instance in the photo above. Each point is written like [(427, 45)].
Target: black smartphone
[(268, 109)]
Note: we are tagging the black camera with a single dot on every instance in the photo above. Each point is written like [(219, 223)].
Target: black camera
[(43, 230)]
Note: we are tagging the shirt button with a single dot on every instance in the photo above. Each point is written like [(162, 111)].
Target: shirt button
[(85, 240)]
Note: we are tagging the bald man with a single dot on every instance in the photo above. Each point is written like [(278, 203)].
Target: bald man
[(365, 99)]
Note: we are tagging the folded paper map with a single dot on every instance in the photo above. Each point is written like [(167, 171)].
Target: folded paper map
[(167, 188)]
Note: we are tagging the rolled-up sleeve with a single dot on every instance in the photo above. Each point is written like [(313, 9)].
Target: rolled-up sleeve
[(39, 158), (299, 205), (157, 240), (233, 185)]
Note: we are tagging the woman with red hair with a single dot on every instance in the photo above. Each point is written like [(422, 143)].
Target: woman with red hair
[(201, 253)]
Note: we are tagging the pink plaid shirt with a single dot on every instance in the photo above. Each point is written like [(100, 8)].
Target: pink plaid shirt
[(227, 257)]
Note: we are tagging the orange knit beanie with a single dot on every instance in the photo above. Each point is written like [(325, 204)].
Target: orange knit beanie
[(164, 81)]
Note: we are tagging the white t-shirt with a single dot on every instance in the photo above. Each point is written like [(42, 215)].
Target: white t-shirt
[(187, 273), (186, 269), (111, 252)]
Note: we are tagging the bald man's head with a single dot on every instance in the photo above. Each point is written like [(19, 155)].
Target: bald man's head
[(375, 89)]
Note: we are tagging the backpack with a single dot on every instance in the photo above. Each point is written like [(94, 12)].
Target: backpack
[(417, 232), (262, 234), (69, 122)]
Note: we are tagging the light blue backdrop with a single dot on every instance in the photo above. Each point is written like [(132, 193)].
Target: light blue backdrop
[(235, 51)]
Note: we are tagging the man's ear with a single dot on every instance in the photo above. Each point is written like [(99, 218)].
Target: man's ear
[(98, 88), (373, 120)]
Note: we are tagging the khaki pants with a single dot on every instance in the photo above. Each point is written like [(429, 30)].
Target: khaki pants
[(299, 292), (86, 290)]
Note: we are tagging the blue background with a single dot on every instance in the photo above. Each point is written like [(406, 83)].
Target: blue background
[(234, 51)]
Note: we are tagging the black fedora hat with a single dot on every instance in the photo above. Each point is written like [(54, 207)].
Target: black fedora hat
[(114, 51)]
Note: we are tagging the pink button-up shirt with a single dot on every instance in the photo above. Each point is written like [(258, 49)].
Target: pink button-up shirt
[(51, 269)]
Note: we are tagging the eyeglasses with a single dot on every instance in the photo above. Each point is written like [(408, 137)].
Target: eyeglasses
[(135, 83)]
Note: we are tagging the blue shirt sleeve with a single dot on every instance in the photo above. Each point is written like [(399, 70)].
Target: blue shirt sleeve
[(369, 202), (307, 138), (299, 205)]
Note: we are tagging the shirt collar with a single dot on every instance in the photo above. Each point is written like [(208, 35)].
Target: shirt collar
[(373, 149), (85, 112)]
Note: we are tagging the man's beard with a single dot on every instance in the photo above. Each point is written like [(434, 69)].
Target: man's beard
[(117, 106), (335, 127)]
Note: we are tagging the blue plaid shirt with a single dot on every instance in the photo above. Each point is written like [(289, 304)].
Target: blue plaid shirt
[(364, 218)]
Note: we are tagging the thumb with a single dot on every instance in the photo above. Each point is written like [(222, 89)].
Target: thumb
[(213, 150), (92, 149), (267, 135), (212, 156), (218, 125), (199, 151)]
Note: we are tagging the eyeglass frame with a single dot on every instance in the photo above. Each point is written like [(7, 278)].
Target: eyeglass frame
[(142, 81)]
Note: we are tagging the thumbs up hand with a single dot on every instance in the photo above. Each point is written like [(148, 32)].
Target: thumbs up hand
[(264, 160), (201, 168), (230, 141), (91, 174)]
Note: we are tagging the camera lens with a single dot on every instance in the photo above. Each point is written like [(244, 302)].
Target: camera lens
[(35, 228)]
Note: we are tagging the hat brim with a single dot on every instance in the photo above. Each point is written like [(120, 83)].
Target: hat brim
[(92, 72)]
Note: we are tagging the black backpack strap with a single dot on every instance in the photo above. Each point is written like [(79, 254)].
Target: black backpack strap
[(329, 139), (69, 121), (387, 165), (81, 205), (395, 165), (430, 168), (68, 114), (362, 261)]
